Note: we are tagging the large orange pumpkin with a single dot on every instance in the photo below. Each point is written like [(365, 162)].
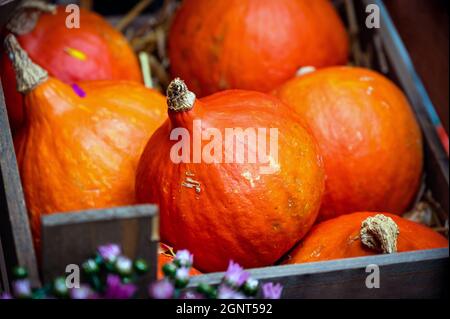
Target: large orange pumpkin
[(224, 207), (252, 44), (94, 51), (368, 136), (340, 237), (80, 145)]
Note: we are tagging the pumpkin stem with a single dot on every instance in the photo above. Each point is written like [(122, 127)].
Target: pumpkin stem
[(28, 74), (380, 233), (179, 98), (27, 14)]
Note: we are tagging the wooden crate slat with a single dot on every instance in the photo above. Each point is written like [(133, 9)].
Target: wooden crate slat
[(4, 281), (404, 275), (71, 238), (17, 245)]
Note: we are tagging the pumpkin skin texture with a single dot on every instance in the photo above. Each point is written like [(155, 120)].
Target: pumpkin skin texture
[(79, 153), (339, 238), (237, 212), (253, 44), (108, 55), (368, 136)]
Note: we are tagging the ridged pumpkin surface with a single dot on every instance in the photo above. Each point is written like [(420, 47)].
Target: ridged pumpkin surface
[(77, 153), (95, 51), (252, 44), (340, 238), (237, 213), (368, 136)]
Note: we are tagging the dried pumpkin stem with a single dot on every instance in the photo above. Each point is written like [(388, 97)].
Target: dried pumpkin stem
[(380, 233), (27, 14), (179, 98), (28, 74)]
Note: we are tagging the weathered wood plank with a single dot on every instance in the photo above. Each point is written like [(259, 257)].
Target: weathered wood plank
[(14, 226), (71, 238), (420, 274), (4, 281)]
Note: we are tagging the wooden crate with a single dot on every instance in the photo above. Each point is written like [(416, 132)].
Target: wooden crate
[(421, 274)]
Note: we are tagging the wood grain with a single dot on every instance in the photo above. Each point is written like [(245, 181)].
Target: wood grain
[(71, 238), (14, 226), (421, 274), (423, 26)]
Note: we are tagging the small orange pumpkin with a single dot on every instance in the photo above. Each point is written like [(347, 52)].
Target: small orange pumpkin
[(253, 45), (80, 145), (94, 51), (368, 136), (223, 208), (364, 234)]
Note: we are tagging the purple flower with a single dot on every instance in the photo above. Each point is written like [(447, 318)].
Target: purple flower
[(182, 274), (225, 292), (21, 288), (162, 289), (5, 295), (124, 265), (184, 258), (115, 289), (189, 294), (79, 91), (271, 291), (235, 275), (83, 292), (109, 252)]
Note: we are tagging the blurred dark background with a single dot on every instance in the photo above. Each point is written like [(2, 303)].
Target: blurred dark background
[(423, 26)]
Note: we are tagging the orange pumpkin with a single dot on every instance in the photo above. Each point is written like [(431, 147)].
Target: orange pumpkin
[(368, 136), (223, 207), (341, 237), (254, 45), (80, 146), (94, 51)]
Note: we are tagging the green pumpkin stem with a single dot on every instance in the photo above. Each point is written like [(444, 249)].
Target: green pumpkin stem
[(28, 74), (179, 98)]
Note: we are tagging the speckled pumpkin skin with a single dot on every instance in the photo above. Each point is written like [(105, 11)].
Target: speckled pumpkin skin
[(79, 153), (368, 136), (108, 54), (239, 214), (339, 238), (252, 44)]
